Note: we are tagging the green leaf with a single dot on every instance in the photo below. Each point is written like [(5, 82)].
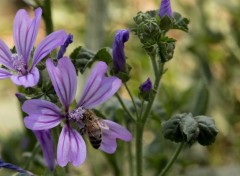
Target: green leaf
[(166, 23), (180, 22), (166, 49), (208, 130), (80, 58), (103, 54), (200, 100)]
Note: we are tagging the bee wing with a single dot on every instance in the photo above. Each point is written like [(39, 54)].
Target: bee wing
[(102, 124)]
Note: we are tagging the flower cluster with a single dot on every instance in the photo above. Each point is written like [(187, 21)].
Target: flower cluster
[(19, 66), (44, 115)]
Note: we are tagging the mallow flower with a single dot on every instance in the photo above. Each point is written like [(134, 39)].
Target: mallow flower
[(19, 66), (119, 61), (165, 9), (44, 115)]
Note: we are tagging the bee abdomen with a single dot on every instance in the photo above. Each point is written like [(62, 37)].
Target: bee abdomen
[(96, 142)]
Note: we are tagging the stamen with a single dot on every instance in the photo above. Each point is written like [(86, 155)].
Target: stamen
[(19, 64), (75, 114)]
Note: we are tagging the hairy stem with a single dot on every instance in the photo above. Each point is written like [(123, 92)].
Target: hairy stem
[(133, 101), (47, 16), (124, 106), (139, 134), (172, 160), (158, 71)]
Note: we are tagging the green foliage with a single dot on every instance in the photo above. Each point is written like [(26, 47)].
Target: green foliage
[(180, 22), (81, 57), (207, 130), (200, 100), (151, 31), (189, 129), (166, 49)]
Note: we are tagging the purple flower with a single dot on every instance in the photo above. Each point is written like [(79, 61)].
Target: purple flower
[(44, 115), (121, 37), (44, 137), (146, 86), (20, 68), (165, 9), (63, 48)]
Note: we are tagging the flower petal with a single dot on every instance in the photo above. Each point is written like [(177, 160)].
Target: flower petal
[(117, 131), (99, 88), (41, 122), (64, 79), (4, 73), (71, 147), (29, 80), (25, 32), (5, 55), (109, 144), (44, 137), (48, 44), (109, 135), (42, 114), (38, 106)]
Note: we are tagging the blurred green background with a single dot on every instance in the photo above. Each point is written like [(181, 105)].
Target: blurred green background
[(204, 72)]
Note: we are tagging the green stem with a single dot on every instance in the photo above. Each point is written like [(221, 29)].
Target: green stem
[(35, 151), (154, 65), (133, 101), (139, 135), (142, 120), (124, 106), (172, 160), (142, 107), (130, 158), (156, 85), (47, 16)]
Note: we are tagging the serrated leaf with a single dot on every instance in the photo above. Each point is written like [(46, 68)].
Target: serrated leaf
[(166, 49), (180, 22), (104, 55), (80, 57), (208, 130), (166, 23)]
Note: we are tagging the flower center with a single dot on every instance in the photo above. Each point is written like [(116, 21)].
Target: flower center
[(75, 114), (19, 64)]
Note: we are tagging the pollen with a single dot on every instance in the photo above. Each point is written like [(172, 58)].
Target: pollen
[(19, 64), (76, 114)]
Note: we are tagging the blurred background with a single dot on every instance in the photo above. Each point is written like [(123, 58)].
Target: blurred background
[(204, 71)]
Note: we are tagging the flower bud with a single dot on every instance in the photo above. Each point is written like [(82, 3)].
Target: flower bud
[(146, 90), (21, 98), (165, 9), (119, 63), (63, 48), (146, 86)]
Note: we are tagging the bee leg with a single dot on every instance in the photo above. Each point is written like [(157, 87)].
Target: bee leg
[(83, 130)]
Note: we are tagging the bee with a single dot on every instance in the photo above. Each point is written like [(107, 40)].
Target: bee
[(92, 128)]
